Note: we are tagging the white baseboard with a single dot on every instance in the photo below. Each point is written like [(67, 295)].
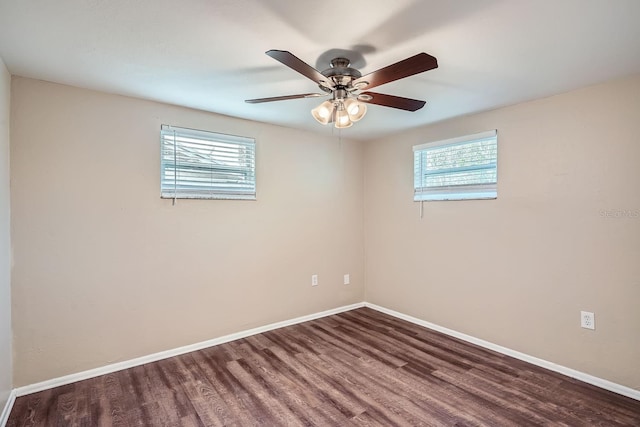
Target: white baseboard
[(4, 415), (587, 378), (92, 373)]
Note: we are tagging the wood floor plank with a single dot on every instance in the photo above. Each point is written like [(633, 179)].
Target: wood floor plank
[(395, 382), (232, 410), (329, 387), (246, 406), (358, 368), (388, 400), (207, 401)]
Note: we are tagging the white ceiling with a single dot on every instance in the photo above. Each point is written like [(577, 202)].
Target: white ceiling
[(209, 54)]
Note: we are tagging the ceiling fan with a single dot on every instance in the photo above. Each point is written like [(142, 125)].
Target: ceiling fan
[(346, 84)]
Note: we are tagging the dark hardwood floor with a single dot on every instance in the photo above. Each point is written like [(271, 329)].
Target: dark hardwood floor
[(356, 368)]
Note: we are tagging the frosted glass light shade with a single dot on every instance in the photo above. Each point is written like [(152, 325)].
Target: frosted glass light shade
[(342, 118), (356, 109), (322, 113)]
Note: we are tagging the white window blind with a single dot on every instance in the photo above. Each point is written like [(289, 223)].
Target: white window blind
[(205, 165), (457, 169)]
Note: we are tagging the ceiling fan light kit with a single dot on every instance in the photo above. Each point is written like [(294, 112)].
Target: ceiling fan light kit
[(342, 117), (323, 112), (345, 85), (342, 110), (356, 109)]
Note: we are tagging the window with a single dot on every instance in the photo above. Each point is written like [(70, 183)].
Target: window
[(457, 169), (205, 165)]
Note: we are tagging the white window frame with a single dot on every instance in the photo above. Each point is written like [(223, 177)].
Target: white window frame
[(212, 165), (424, 192)]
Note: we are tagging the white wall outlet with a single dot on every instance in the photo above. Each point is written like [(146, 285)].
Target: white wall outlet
[(347, 280), (314, 280), (587, 320)]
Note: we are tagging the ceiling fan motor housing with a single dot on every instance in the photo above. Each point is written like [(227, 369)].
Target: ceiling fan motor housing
[(341, 75)]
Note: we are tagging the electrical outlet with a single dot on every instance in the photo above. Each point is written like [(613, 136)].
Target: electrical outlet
[(587, 320), (314, 280), (347, 280)]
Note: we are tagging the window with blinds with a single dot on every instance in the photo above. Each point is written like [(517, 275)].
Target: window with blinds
[(205, 165), (457, 169)]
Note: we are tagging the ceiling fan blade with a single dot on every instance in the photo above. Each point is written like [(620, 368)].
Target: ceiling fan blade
[(408, 67), (295, 63), (284, 98), (392, 101)]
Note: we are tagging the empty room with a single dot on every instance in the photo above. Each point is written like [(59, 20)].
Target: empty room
[(283, 213)]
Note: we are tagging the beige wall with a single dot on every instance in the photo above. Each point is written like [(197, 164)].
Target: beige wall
[(5, 241), (106, 271), (516, 271)]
